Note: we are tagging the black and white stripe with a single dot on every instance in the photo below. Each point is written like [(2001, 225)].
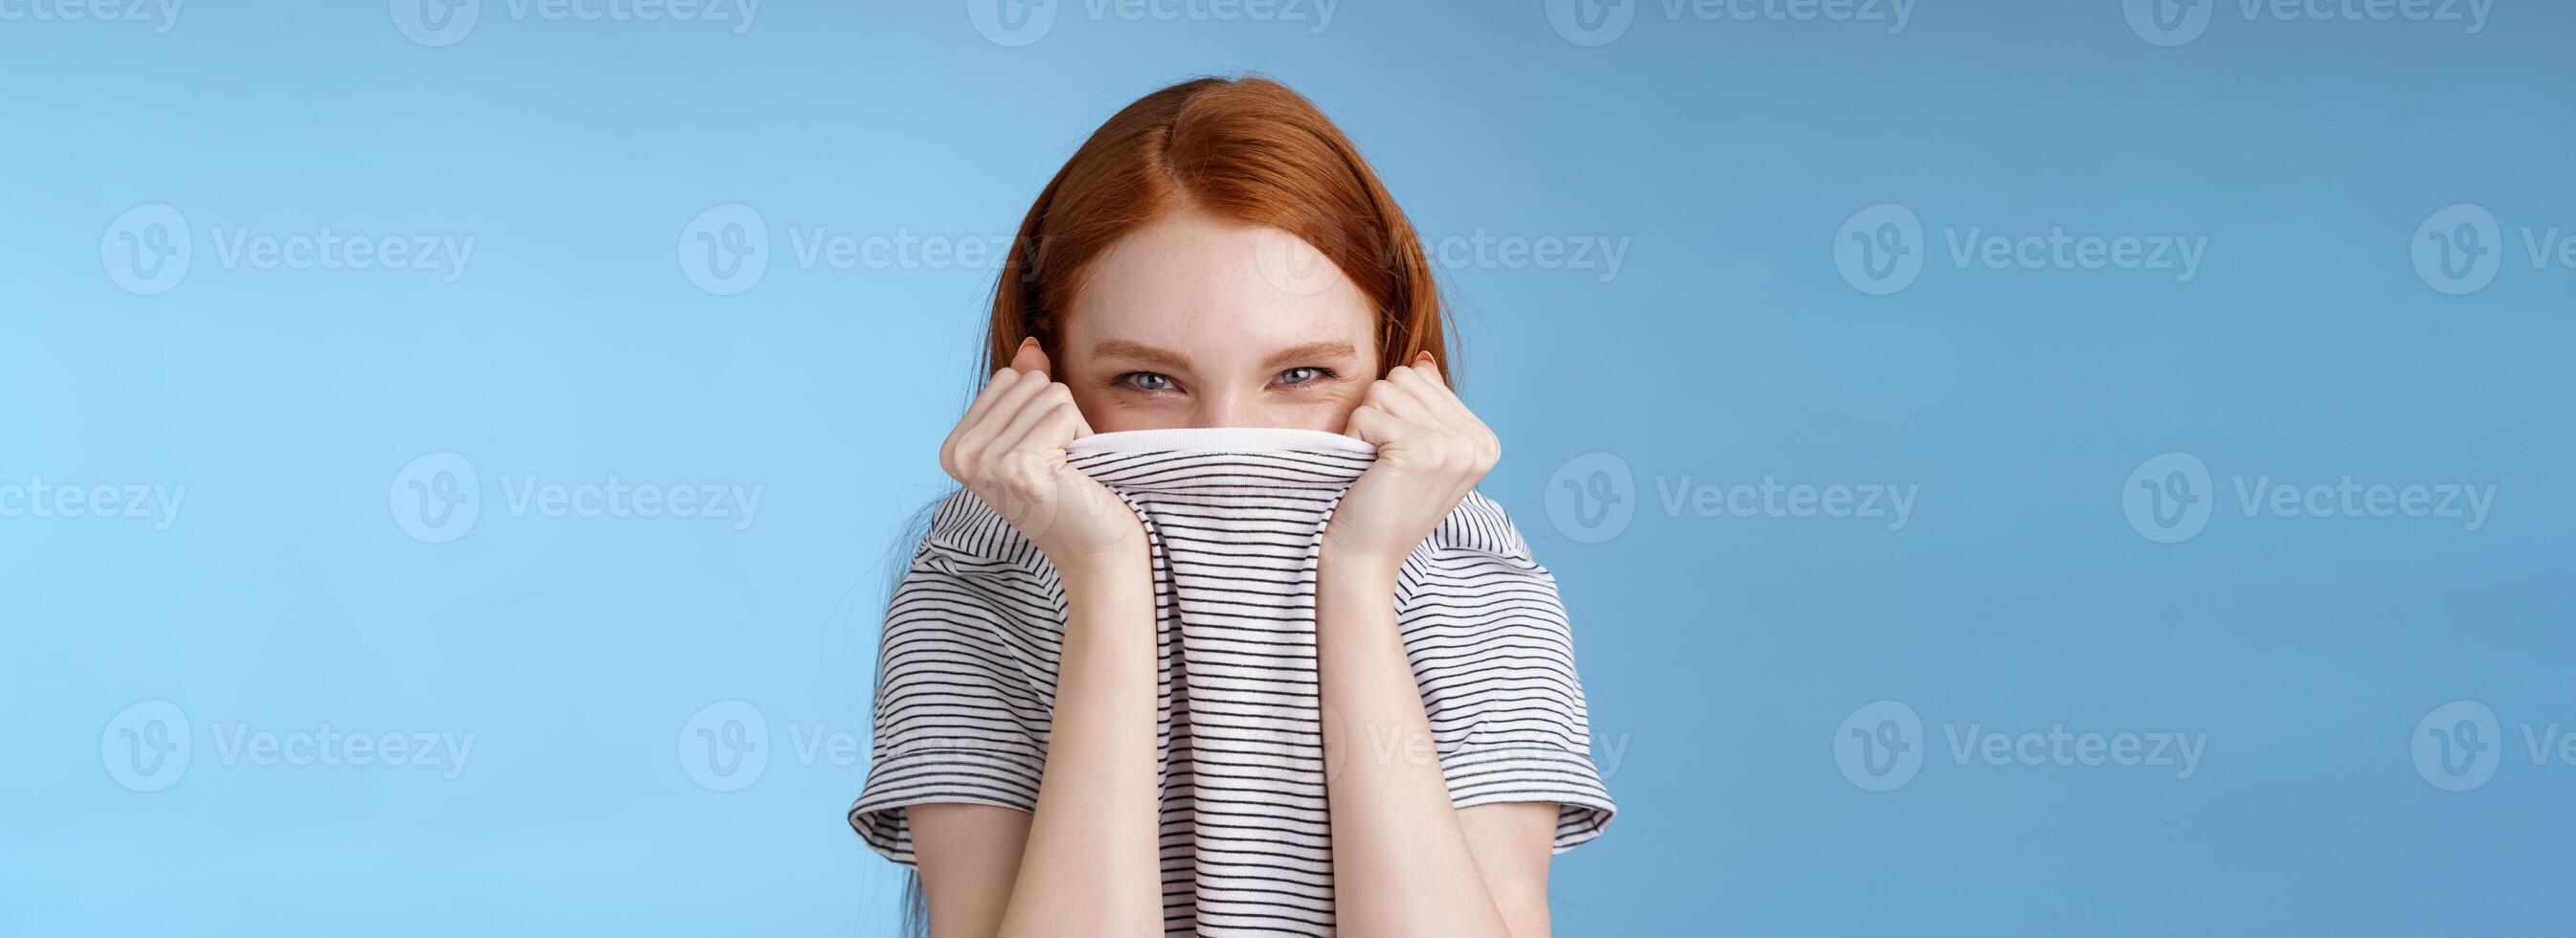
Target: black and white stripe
[(966, 675)]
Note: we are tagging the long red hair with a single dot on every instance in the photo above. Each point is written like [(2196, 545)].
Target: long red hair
[(1244, 149)]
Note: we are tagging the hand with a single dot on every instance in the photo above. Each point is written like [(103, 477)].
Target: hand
[(1009, 451), (1430, 453)]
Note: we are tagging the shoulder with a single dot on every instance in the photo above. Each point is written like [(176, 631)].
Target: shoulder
[(1478, 526), (963, 527), (972, 566)]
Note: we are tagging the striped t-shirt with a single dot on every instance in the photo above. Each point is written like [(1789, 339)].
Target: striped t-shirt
[(1234, 520)]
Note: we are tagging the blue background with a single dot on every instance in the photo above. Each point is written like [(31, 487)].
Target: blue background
[(1720, 653)]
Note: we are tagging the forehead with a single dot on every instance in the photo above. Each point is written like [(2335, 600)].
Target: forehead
[(1216, 292)]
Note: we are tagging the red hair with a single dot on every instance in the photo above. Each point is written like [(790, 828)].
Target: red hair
[(1248, 150)]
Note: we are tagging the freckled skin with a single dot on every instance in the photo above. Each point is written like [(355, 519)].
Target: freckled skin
[(1224, 299)]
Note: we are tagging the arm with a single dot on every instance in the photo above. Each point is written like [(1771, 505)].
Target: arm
[(1405, 861), (1092, 865), (1088, 861)]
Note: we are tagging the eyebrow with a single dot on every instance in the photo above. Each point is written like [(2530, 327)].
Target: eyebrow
[(1148, 355), (1311, 351), (1139, 353)]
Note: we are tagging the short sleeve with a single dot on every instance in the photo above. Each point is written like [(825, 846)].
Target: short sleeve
[(1490, 645), (964, 677)]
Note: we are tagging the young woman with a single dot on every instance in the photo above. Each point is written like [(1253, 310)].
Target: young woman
[(1217, 255)]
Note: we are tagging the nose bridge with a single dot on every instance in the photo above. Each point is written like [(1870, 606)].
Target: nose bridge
[(1225, 407)]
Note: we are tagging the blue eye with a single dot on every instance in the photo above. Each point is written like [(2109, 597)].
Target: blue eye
[(1302, 375), (1146, 381)]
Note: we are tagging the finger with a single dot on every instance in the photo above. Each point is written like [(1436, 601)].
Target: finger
[(1030, 357), (1052, 404), (1372, 424), (1436, 398), (1427, 384), (1036, 445), (975, 441), (1391, 394), (994, 389)]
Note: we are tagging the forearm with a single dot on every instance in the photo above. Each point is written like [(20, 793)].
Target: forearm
[(1092, 865), (1401, 864)]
